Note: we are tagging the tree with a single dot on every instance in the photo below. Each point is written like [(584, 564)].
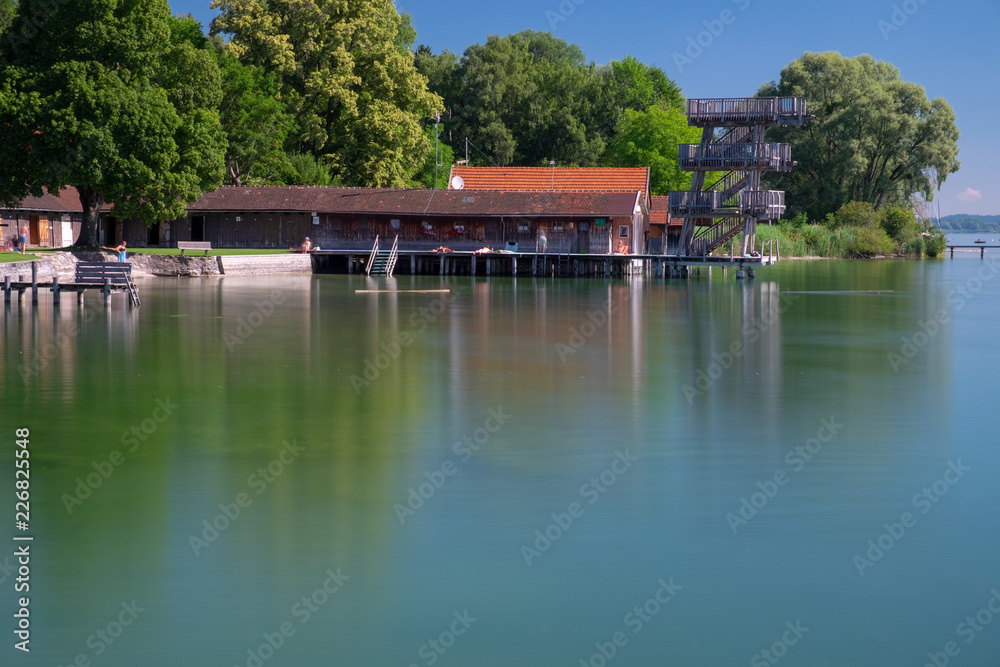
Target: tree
[(347, 75), (526, 99), (875, 137), (105, 99), (8, 8), (254, 121), (650, 139), (438, 162), (630, 84)]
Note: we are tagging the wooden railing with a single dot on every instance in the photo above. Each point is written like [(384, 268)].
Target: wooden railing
[(742, 156), (767, 204), (748, 110)]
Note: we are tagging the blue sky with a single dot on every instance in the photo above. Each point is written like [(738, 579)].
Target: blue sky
[(951, 48)]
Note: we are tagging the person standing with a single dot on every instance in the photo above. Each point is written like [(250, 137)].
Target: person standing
[(22, 240)]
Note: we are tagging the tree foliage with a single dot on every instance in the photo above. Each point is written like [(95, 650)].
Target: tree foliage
[(650, 139), (529, 98), (876, 138), (8, 8), (106, 99), (347, 76)]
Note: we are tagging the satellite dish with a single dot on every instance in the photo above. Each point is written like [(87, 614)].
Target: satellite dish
[(457, 183)]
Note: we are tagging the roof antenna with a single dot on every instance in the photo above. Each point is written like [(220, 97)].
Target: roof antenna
[(552, 163)]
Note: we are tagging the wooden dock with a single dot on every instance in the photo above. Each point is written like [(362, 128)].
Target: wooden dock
[(972, 248), (106, 277), (513, 264)]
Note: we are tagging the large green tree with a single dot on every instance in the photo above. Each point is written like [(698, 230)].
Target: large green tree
[(526, 99), (530, 97), (347, 76), (876, 138), (650, 139), (105, 99)]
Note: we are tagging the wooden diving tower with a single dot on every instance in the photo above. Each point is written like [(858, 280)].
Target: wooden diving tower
[(732, 144)]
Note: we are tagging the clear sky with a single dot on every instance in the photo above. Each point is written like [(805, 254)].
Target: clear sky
[(951, 48)]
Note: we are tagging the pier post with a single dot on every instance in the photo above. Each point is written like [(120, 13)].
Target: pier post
[(982, 253), (79, 298), (513, 266), (6, 289), (34, 282), (952, 248), (534, 265), (107, 292), (20, 291), (413, 265), (607, 268), (55, 290), (473, 263)]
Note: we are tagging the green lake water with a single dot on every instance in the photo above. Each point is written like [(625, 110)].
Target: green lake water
[(704, 462)]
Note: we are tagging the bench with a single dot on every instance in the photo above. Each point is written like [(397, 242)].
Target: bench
[(194, 245), (94, 273)]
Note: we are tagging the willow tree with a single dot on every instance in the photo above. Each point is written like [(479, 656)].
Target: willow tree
[(95, 94), (876, 138), (347, 76)]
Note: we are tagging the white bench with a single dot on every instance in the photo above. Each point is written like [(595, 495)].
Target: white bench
[(194, 245)]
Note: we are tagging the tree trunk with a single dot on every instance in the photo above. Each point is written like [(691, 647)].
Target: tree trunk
[(92, 203)]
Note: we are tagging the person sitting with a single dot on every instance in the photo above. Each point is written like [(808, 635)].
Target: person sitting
[(622, 248), (307, 245)]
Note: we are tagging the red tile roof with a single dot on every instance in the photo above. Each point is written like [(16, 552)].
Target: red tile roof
[(659, 212), (384, 201), (549, 179), (66, 201), (417, 202)]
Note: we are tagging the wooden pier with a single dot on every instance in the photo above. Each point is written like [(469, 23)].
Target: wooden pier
[(972, 248), (106, 277), (513, 264)]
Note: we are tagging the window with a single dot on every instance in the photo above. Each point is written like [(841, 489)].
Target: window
[(394, 223), (522, 226), (557, 226), (623, 231)]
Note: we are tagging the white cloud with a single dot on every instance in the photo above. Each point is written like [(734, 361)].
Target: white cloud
[(971, 195)]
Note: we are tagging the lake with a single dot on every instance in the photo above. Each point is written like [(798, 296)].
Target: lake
[(283, 471)]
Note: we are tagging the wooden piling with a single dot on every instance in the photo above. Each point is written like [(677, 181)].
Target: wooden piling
[(34, 282), (55, 290), (107, 292), (6, 289)]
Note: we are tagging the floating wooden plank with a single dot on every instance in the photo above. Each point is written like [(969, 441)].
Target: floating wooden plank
[(401, 291)]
